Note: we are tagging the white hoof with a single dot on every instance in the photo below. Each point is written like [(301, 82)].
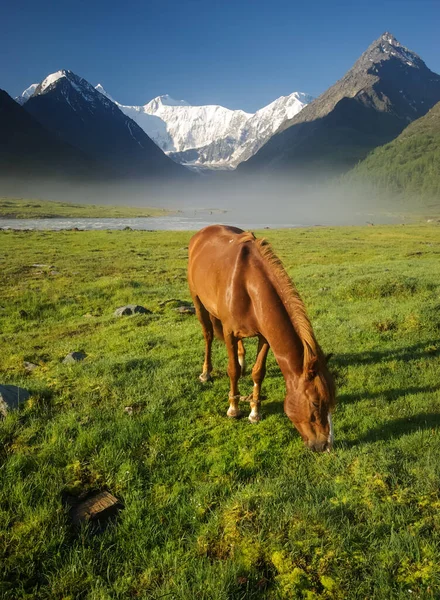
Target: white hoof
[(233, 413), (204, 377), (254, 418)]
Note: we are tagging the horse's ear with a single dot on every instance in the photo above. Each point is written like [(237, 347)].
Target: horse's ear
[(311, 368), (328, 356)]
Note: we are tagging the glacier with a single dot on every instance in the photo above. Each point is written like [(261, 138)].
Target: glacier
[(210, 136)]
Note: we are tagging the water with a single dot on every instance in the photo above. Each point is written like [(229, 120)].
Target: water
[(172, 223)]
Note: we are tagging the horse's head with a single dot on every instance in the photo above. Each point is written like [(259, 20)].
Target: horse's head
[(308, 404)]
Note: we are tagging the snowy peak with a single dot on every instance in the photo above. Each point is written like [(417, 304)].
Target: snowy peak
[(162, 101), (210, 136), (28, 92), (102, 91), (385, 48)]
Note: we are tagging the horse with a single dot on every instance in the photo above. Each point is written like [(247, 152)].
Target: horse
[(240, 290)]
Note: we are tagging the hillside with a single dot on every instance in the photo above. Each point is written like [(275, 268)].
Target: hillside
[(408, 165), (28, 150), (214, 508)]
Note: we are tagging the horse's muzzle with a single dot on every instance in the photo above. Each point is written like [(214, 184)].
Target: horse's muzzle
[(317, 446)]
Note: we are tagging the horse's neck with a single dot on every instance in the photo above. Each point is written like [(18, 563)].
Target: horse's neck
[(276, 326)]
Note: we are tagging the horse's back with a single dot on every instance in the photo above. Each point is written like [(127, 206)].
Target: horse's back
[(218, 265)]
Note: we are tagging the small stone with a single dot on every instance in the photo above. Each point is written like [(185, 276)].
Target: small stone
[(186, 310), (11, 396), (74, 357), (30, 366), (95, 509), (128, 410), (131, 309), (42, 266)]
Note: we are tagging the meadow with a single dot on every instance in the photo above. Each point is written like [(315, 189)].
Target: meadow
[(218, 509), (30, 208)]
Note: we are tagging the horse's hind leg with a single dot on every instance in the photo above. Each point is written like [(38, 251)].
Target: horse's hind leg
[(258, 373), (241, 357), (208, 334)]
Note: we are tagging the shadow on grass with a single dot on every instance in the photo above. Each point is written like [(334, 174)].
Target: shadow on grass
[(388, 395), (428, 349), (400, 427)]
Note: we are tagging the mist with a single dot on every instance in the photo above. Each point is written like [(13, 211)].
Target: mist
[(247, 201)]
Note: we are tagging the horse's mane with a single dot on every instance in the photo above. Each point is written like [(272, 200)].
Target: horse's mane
[(313, 357)]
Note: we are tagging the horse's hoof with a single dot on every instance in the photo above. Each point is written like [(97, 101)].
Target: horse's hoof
[(204, 377), (254, 418), (233, 414)]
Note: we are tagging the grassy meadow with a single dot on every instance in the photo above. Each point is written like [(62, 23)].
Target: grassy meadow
[(30, 208), (218, 509)]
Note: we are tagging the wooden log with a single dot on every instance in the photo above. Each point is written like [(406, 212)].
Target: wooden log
[(97, 509)]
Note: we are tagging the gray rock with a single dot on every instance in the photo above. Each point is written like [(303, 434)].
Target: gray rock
[(30, 366), (11, 396), (74, 357), (186, 310), (131, 309)]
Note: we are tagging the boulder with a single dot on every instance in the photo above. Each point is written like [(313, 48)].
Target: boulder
[(74, 357), (131, 309), (11, 396), (30, 366)]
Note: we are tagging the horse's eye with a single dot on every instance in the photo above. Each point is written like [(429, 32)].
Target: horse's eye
[(315, 404)]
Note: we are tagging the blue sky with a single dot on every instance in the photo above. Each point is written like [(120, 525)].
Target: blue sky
[(238, 54)]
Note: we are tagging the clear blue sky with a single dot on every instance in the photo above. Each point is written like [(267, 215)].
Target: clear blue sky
[(235, 53)]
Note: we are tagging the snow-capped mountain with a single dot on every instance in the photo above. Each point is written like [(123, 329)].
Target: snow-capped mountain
[(388, 87), (210, 136), (72, 109), (26, 94)]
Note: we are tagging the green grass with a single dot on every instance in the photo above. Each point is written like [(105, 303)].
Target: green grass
[(214, 508), (24, 208), (408, 166)]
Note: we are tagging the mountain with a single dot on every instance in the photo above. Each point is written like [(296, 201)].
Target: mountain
[(24, 97), (29, 151), (211, 136), (387, 88), (408, 165), (76, 113)]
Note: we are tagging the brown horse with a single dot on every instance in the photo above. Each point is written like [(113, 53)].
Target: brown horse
[(240, 289)]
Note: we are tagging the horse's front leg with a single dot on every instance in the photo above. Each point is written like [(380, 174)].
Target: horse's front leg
[(258, 373), (208, 334), (234, 371)]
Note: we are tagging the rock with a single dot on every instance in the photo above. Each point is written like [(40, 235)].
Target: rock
[(95, 509), (30, 366), (131, 309), (74, 357), (11, 396), (186, 310), (42, 266), (127, 228)]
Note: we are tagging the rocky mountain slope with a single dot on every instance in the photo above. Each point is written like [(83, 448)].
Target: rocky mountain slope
[(387, 88), (28, 150), (73, 110)]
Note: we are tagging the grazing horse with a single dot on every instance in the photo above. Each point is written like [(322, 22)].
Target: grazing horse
[(240, 289)]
